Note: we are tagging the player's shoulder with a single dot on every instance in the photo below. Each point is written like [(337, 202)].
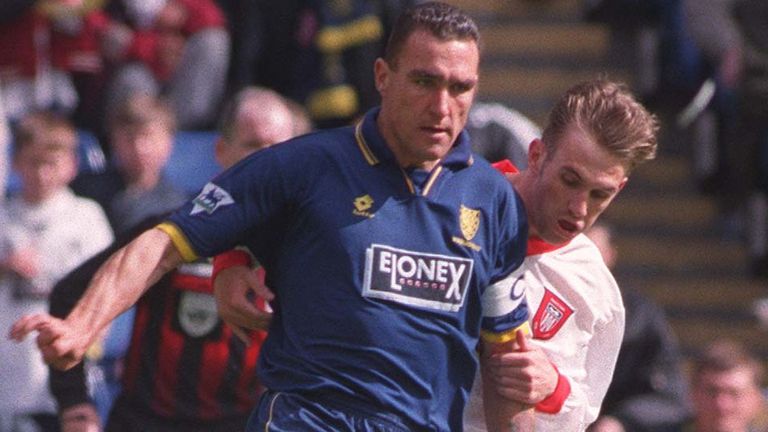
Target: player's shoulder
[(583, 249), (320, 140), (580, 260), (484, 175)]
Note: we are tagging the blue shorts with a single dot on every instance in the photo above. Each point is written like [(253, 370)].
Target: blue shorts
[(290, 412)]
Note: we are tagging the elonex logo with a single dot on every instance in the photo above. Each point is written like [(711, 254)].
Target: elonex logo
[(211, 198), (415, 278)]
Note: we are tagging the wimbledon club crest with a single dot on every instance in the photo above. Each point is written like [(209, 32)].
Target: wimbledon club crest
[(469, 221)]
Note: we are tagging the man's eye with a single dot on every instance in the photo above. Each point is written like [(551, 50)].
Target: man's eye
[(460, 88), (423, 82)]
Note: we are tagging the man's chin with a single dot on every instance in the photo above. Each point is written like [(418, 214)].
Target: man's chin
[(558, 237)]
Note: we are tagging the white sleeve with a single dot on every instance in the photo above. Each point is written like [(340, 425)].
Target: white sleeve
[(585, 349), (600, 363)]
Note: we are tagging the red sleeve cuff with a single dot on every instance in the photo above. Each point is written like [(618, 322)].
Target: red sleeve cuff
[(229, 259), (553, 403)]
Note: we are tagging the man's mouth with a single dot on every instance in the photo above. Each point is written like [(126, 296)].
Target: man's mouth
[(567, 226), (435, 130)]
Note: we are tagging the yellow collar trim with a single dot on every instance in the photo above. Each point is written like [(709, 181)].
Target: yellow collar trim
[(367, 152)]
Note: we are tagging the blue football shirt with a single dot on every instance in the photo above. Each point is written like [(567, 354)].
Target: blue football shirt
[(380, 274)]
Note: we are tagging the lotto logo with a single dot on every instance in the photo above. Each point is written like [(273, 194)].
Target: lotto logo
[(415, 278)]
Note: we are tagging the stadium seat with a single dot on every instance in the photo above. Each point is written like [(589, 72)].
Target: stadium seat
[(192, 163)]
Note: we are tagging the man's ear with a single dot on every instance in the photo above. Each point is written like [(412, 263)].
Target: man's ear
[(380, 73), (537, 152), (623, 183)]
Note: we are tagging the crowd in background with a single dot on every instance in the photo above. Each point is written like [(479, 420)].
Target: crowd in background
[(132, 73), (707, 62)]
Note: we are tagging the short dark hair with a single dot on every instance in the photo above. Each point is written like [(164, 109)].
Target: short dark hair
[(442, 20), (725, 355)]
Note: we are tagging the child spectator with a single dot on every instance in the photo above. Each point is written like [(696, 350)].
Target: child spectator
[(141, 132), (48, 232)]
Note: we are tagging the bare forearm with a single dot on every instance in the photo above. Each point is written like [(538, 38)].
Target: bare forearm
[(123, 278), (502, 414)]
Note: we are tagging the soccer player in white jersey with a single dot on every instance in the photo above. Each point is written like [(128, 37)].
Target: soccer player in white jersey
[(596, 134)]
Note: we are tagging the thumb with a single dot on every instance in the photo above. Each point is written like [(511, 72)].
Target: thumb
[(258, 286), (522, 341)]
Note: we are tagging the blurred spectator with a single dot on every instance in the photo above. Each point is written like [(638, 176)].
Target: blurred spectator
[(50, 56), (349, 37), (315, 52), (257, 118), (266, 38), (716, 149), (648, 392), (247, 22), (49, 231), (141, 132), (752, 17), (499, 133), (663, 57), (726, 382), (175, 48), (733, 34), (167, 387)]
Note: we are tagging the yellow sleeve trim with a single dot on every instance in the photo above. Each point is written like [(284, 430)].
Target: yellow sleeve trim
[(179, 240), (506, 336)]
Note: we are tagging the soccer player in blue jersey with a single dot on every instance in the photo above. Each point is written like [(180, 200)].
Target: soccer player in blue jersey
[(384, 242)]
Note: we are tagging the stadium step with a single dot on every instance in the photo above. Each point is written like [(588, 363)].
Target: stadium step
[(510, 9)]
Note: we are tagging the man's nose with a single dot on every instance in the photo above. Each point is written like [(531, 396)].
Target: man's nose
[(578, 206), (441, 104)]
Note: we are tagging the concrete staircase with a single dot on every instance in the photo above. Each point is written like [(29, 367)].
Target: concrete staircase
[(668, 245), (669, 248)]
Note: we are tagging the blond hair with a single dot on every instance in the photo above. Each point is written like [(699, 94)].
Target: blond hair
[(609, 113)]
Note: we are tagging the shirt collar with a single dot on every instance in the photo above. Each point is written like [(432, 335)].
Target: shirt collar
[(375, 149), (538, 246)]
